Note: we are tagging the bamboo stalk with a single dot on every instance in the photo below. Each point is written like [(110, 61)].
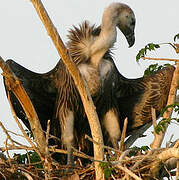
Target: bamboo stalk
[(79, 82)]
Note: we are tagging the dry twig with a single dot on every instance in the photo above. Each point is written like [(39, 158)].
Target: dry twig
[(14, 85), (105, 147), (160, 59), (177, 171), (154, 122), (121, 148), (19, 125), (48, 162), (128, 172)]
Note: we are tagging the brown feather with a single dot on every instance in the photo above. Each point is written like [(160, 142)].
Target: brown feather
[(80, 39), (150, 91)]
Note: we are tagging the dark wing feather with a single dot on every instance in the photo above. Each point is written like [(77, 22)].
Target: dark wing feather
[(39, 87), (136, 97)]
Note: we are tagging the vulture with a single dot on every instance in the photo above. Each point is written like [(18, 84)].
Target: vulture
[(54, 94)]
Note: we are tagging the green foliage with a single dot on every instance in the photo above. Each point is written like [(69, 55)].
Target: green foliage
[(143, 51), (176, 37), (175, 107), (154, 68), (107, 170), (34, 158), (144, 148), (161, 126)]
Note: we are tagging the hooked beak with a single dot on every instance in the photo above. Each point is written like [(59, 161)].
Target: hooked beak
[(130, 39), (129, 34)]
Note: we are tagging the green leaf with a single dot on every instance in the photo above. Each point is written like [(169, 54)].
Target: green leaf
[(175, 106), (143, 51), (34, 158), (154, 68), (145, 148), (176, 37), (104, 164), (151, 46), (156, 45), (107, 172)]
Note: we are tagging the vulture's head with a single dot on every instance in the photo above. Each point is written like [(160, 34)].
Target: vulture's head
[(124, 18)]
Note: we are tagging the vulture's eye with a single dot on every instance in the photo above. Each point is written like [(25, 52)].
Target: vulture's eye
[(133, 22)]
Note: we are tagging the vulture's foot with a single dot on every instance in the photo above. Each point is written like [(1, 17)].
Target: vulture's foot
[(70, 159), (115, 143)]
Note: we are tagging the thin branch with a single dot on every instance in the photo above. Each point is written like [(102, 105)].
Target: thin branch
[(128, 172), (168, 143), (6, 132), (28, 176), (168, 172), (3, 175), (160, 59), (176, 144), (79, 82), (121, 148), (48, 162), (177, 171), (29, 172), (124, 155), (11, 147), (154, 122), (16, 134), (19, 124), (13, 84), (136, 165), (105, 147)]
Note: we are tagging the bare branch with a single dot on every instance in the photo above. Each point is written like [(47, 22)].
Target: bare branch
[(121, 148), (84, 93), (154, 121), (14, 85), (160, 59), (169, 142), (168, 153), (48, 161), (177, 171), (105, 147), (6, 132), (129, 172), (124, 155), (176, 145), (28, 176), (19, 124)]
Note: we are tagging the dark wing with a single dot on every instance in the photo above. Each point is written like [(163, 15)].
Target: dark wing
[(135, 97), (41, 90)]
